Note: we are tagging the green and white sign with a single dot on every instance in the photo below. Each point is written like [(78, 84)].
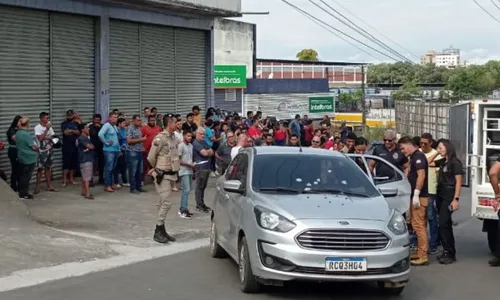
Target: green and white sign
[(321, 104), (230, 77)]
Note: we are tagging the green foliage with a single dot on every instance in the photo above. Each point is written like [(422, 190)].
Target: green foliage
[(307, 55), (461, 83), (375, 133)]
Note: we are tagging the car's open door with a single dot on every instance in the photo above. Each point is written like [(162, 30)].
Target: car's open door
[(395, 180)]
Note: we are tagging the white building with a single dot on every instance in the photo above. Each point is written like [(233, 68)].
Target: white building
[(234, 45), (449, 58)]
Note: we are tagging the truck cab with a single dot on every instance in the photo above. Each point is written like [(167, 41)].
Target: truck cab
[(475, 132)]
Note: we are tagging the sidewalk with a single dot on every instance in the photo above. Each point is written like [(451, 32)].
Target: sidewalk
[(62, 227)]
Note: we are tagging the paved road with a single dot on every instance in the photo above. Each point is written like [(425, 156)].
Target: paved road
[(193, 275)]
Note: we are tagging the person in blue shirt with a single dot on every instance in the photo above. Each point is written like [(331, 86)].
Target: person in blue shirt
[(121, 162), (109, 137), (295, 127)]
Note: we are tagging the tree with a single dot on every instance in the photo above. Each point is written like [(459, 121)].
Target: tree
[(307, 55)]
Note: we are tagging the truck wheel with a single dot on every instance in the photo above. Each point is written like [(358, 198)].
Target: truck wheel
[(492, 239)]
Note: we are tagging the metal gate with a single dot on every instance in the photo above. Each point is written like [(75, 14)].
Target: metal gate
[(125, 67), (460, 134), (229, 99), (157, 68), (24, 68), (73, 84), (191, 69)]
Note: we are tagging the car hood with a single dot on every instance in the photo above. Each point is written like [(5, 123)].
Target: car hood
[(327, 206)]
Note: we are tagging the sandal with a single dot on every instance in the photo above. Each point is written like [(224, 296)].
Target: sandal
[(52, 190), (90, 197)]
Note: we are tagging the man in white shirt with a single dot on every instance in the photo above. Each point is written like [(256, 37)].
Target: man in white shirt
[(242, 143), (178, 131), (44, 133)]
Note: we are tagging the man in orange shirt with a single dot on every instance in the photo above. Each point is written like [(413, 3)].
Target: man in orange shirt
[(150, 131), (197, 116)]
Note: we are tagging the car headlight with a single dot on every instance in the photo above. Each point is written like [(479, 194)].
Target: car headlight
[(272, 221), (397, 224)]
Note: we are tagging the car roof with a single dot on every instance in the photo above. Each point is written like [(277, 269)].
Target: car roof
[(264, 150)]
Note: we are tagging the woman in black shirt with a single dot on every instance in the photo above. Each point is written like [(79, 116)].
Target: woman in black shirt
[(12, 152), (448, 191)]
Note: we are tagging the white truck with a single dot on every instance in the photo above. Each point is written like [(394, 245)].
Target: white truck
[(474, 129)]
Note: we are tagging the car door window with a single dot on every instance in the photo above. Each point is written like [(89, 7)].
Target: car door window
[(238, 169), (390, 173), (233, 168)]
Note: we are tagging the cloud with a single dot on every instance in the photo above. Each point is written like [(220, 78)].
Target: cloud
[(417, 26)]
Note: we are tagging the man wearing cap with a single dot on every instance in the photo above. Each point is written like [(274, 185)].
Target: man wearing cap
[(69, 149)]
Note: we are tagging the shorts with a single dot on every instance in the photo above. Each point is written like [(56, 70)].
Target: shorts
[(87, 170), (45, 159)]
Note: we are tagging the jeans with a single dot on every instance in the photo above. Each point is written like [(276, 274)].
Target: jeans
[(444, 197), (201, 184), (121, 169), (134, 163), (14, 167), (25, 172), (186, 181), (432, 218), (110, 159)]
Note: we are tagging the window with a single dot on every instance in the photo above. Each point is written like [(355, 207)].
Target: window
[(308, 173), (238, 169), (230, 95), (388, 174)]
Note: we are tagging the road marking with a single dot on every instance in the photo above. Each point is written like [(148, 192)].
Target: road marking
[(129, 255), (86, 235)]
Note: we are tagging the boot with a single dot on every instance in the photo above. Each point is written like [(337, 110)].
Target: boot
[(159, 235), (420, 262), (166, 235)]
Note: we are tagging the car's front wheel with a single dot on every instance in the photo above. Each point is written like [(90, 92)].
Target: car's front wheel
[(388, 291), (248, 281), (215, 249)]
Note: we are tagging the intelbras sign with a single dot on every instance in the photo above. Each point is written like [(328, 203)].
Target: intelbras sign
[(325, 104), (230, 77)]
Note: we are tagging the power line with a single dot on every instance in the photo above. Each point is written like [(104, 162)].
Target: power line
[(496, 5), (484, 9), (359, 30), (339, 36), (375, 29), (337, 30)]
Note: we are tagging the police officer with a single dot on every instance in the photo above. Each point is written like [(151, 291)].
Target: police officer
[(390, 152), (164, 158), (449, 185)]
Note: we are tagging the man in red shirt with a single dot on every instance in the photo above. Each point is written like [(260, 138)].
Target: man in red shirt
[(150, 131), (254, 132)]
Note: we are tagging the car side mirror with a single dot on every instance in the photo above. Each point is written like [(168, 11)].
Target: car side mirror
[(388, 192), (233, 186)]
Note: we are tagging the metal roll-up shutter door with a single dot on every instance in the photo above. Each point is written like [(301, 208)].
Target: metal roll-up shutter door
[(191, 53), (158, 68), (125, 70), (24, 68), (73, 82)]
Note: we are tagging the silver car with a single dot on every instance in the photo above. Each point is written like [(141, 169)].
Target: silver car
[(287, 213)]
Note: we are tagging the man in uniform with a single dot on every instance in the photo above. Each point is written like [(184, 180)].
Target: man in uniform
[(164, 158), (390, 152)]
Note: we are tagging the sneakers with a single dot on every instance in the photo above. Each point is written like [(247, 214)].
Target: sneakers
[(28, 197), (494, 262), (446, 258), (185, 214), (433, 251), (203, 208)]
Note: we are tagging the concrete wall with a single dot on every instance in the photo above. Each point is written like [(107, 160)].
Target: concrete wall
[(234, 44), (230, 5)]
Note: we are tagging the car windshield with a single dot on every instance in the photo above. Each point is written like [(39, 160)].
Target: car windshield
[(310, 174)]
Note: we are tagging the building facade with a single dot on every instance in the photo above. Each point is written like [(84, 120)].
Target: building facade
[(337, 73), (94, 56), (449, 58), (234, 55)]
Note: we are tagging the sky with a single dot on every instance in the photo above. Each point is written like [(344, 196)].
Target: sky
[(416, 25)]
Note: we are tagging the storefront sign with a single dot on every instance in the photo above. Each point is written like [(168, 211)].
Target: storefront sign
[(230, 77), (325, 104)]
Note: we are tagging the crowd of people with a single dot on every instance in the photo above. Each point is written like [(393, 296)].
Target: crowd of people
[(123, 151)]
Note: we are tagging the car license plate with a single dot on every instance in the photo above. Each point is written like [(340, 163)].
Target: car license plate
[(344, 264)]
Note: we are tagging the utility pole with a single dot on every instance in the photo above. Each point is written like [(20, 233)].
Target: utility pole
[(363, 102)]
